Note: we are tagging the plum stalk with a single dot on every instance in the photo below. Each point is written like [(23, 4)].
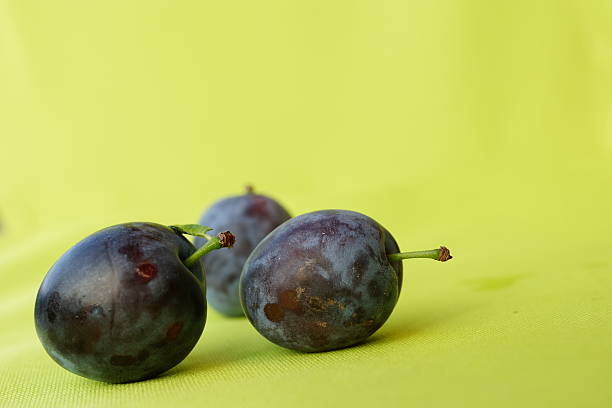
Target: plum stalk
[(222, 240), (441, 254)]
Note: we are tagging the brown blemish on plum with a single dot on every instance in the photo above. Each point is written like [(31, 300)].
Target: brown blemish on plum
[(274, 312), (173, 331), (315, 303), (127, 360), (132, 251), (288, 299), (319, 304), (146, 271)]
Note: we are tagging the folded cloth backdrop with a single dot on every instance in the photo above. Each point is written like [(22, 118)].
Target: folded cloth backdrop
[(482, 125)]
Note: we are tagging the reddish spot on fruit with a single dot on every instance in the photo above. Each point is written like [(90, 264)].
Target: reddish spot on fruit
[(274, 312), (146, 271), (173, 331)]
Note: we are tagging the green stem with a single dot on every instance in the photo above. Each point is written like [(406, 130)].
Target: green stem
[(441, 254), (211, 245), (223, 240)]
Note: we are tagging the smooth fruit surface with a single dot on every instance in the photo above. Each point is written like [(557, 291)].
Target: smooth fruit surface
[(251, 217), (322, 281), (120, 305)]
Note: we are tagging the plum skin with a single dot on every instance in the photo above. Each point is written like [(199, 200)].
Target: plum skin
[(120, 306), (250, 217), (321, 281)]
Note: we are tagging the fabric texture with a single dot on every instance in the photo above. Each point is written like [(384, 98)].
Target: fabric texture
[(483, 126)]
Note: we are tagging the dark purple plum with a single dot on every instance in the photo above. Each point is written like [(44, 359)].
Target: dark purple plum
[(251, 217), (324, 280), (121, 305)]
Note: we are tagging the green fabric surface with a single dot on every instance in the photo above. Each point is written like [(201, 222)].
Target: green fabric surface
[(485, 126)]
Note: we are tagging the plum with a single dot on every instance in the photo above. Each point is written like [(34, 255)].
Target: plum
[(251, 217), (324, 280), (122, 304)]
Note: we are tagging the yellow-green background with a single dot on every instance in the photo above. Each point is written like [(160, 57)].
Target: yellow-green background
[(482, 125)]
